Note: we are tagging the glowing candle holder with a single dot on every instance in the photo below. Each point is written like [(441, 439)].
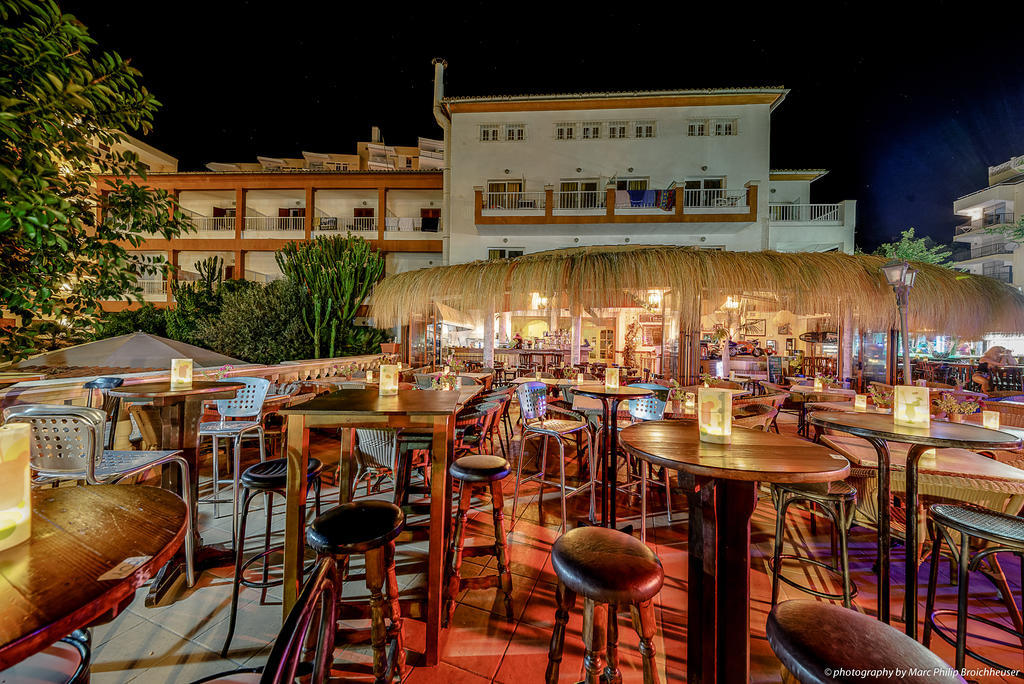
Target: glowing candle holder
[(611, 378), (911, 406), (818, 385), (369, 376), (690, 401), (714, 417), (536, 375), (579, 378), (921, 383), (458, 382), (388, 386), (15, 495), (732, 375), (181, 374), (990, 419), (860, 402)]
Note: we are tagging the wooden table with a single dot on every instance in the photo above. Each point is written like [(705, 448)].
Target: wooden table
[(181, 411), (734, 392), (721, 482), (431, 409), (486, 379), (610, 399), (878, 429), (50, 586)]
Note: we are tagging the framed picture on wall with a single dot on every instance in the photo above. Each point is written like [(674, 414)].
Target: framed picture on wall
[(770, 344), (789, 344), (754, 327), (786, 329)]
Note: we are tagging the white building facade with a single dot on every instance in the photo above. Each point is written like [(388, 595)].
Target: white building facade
[(982, 244), (533, 173)]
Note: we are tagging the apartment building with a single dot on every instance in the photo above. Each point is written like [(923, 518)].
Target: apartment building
[(982, 245), (688, 167)]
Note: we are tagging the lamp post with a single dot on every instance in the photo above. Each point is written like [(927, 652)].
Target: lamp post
[(901, 277)]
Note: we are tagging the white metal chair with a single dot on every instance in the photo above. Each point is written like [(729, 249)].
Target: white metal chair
[(67, 444), (247, 404)]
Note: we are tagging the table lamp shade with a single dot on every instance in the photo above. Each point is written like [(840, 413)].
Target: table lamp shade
[(714, 415), (15, 495), (536, 375), (990, 419), (447, 369), (181, 374), (388, 385), (690, 400), (911, 406), (611, 378), (860, 402)]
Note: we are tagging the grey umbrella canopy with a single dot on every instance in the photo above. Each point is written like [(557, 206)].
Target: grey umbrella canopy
[(135, 351)]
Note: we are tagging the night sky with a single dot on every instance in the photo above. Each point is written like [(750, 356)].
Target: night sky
[(906, 105)]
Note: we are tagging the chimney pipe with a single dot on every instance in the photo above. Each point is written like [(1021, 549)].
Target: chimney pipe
[(375, 134), (444, 121)]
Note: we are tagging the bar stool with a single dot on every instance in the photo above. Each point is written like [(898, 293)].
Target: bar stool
[(369, 528), (838, 500), (608, 568), (1003, 534), (815, 641), (268, 478), (476, 474)]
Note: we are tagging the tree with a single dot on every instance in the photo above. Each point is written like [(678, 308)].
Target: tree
[(146, 319), (64, 108), (196, 301), (909, 248)]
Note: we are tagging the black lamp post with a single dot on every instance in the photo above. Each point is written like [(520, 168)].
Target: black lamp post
[(901, 276)]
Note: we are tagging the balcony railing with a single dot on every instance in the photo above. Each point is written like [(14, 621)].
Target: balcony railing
[(806, 213), (580, 199), (986, 221), (219, 224), (715, 198), (344, 224), (990, 250), (1003, 273), (260, 226), (153, 287), (514, 201)]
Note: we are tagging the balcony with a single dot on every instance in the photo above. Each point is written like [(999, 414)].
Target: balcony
[(1001, 273), (153, 290), (279, 227), (333, 225), (990, 250), (213, 226), (986, 221), (821, 214)]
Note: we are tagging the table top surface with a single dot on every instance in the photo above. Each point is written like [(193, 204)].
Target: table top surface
[(163, 389), (939, 433), (734, 392), (559, 382), (50, 586), (809, 389), (368, 402), (752, 455), (599, 390)]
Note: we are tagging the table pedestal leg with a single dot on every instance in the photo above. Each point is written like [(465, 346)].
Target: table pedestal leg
[(702, 600), (910, 598), (734, 504), (295, 511), (884, 530), (613, 461), (606, 422)]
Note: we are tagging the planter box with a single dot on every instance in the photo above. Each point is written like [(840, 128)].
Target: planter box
[(390, 347)]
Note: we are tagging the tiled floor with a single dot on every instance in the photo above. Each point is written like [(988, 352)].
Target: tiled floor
[(181, 641)]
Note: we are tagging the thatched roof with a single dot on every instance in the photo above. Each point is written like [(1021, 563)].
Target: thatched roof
[(834, 283)]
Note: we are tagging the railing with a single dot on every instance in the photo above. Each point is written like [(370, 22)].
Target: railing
[(274, 224), (986, 221), (806, 213), (645, 199), (715, 198), (989, 250), (514, 201), (580, 199), (333, 224), (213, 223), (153, 287), (1003, 273)]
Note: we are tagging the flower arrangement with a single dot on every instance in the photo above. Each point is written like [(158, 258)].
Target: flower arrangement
[(223, 371), (444, 381), (347, 370), (829, 381), (880, 397), (951, 406), (706, 379)]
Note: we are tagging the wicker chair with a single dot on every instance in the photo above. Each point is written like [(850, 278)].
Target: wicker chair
[(757, 416)]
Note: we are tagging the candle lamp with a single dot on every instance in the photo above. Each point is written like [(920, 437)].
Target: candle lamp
[(181, 374), (388, 385), (990, 419), (611, 378), (690, 401), (818, 385), (447, 370), (579, 378), (911, 406), (15, 495), (714, 417), (536, 375), (860, 402), (369, 376)]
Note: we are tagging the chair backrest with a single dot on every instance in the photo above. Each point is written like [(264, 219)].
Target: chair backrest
[(317, 601), (726, 384), (469, 380), (424, 380), (533, 400), (66, 440), (757, 416), (377, 447), (660, 391), (248, 400), (647, 408)]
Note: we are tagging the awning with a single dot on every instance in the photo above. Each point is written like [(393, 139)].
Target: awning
[(454, 317)]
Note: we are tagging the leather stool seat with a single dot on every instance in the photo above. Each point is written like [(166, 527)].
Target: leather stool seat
[(480, 468), (273, 474), (813, 637), (607, 566), (355, 528)]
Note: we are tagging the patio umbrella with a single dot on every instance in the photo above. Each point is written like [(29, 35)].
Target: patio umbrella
[(137, 351)]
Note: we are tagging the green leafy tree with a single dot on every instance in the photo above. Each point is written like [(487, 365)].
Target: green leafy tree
[(1014, 231), (65, 105), (147, 319), (911, 248), (196, 301)]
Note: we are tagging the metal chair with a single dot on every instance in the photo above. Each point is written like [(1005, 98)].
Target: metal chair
[(534, 410), (424, 380), (247, 403), (67, 445), (110, 405), (642, 409)]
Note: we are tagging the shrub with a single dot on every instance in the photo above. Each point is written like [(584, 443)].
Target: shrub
[(259, 324), (147, 319)]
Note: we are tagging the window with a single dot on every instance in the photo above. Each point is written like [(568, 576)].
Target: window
[(495, 253), (644, 129), (617, 129), (580, 194), (565, 131), (704, 192), (503, 194), (408, 162), (591, 130), (724, 126), (631, 183), (489, 133), (697, 127), (515, 132)]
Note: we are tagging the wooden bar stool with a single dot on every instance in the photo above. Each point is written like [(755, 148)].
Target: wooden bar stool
[(369, 528), (476, 474), (817, 641), (608, 568)]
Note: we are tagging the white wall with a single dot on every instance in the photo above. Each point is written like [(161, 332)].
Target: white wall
[(408, 203), (789, 192), (400, 262)]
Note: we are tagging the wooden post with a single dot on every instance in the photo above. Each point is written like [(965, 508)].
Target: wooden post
[(382, 213), (577, 337), (310, 210), (846, 346)]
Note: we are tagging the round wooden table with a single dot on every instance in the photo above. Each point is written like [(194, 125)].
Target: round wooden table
[(51, 583), (879, 429), (610, 399), (181, 411), (721, 484)]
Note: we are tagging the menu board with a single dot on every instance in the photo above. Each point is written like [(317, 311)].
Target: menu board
[(775, 369)]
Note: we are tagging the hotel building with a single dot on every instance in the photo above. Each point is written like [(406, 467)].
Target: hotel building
[(979, 244)]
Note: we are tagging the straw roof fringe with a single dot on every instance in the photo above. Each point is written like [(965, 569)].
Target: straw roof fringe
[(942, 300)]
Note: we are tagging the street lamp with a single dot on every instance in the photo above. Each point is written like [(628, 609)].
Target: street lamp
[(901, 277)]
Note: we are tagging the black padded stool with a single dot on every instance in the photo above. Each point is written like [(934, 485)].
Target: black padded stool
[(369, 528), (837, 500), (476, 474), (1004, 534), (269, 478), (608, 568), (816, 641)]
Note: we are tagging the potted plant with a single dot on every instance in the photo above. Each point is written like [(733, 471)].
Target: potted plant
[(444, 381), (954, 408), (882, 399)]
